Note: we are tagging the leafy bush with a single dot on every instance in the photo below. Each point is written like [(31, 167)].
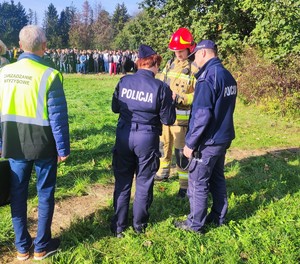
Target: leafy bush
[(274, 87), (277, 31)]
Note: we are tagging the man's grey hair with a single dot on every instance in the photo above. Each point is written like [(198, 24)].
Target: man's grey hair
[(2, 48), (32, 37)]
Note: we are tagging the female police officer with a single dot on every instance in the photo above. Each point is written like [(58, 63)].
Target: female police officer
[(144, 104)]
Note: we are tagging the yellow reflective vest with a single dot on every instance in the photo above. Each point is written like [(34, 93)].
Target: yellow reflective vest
[(179, 75), (23, 108)]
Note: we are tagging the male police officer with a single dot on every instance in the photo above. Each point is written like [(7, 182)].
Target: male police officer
[(179, 74), (34, 131), (210, 133), (144, 103)]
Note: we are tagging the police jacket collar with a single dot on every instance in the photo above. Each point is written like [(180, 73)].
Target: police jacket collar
[(27, 55), (146, 72), (208, 64)]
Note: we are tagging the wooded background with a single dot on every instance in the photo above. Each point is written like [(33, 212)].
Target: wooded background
[(259, 40)]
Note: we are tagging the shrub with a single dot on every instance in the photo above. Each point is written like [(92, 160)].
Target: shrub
[(274, 87)]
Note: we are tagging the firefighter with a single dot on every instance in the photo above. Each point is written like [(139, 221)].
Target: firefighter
[(179, 75), (143, 104)]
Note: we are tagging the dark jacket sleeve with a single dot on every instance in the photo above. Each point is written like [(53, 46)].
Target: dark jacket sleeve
[(58, 117), (201, 114), (0, 130), (167, 110), (115, 106), (0, 135)]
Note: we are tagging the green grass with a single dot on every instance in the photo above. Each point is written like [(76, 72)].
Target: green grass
[(255, 129), (263, 223)]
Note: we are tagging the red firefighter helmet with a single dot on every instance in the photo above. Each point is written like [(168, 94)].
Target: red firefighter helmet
[(182, 39)]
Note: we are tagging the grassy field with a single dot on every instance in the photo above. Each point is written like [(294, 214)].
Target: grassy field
[(263, 224)]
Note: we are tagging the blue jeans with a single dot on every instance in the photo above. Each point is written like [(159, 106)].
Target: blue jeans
[(82, 68), (46, 170), (63, 67), (106, 66)]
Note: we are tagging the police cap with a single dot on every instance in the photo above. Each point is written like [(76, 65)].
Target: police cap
[(205, 44), (145, 51)]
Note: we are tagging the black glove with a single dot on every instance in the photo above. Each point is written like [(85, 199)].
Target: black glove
[(179, 100)]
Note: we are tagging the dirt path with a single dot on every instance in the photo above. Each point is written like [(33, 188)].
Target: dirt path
[(98, 195), (65, 212)]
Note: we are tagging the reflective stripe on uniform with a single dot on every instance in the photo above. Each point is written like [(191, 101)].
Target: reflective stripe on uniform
[(41, 94), (164, 165), (179, 75), (182, 114), (25, 120), (183, 175)]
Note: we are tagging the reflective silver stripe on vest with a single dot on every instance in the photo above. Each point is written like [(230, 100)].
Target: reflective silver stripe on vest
[(183, 112), (38, 120), (183, 175), (24, 120)]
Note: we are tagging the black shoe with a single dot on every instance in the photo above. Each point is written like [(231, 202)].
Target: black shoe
[(182, 193), (139, 230), (211, 221), (51, 249), (161, 178), (184, 226)]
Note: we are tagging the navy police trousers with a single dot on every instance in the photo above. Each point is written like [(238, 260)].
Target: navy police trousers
[(206, 174), (136, 152)]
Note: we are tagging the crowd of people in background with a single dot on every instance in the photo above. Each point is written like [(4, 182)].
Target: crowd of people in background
[(73, 60)]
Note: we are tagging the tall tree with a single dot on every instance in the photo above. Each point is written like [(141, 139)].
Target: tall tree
[(225, 22), (64, 24), (97, 9), (30, 16), (81, 33), (102, 29), (51, 27), (12, 19), (87, 14), (35, 18), (134, 32), (119, 18)]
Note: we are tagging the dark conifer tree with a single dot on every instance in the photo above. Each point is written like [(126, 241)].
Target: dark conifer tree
[(12, 19)]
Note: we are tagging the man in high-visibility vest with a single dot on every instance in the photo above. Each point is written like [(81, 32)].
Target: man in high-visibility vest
[(34, 131), (179, 75)]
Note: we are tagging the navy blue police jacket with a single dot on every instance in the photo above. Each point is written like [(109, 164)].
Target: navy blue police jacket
[(142, 99), (211, 119)]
